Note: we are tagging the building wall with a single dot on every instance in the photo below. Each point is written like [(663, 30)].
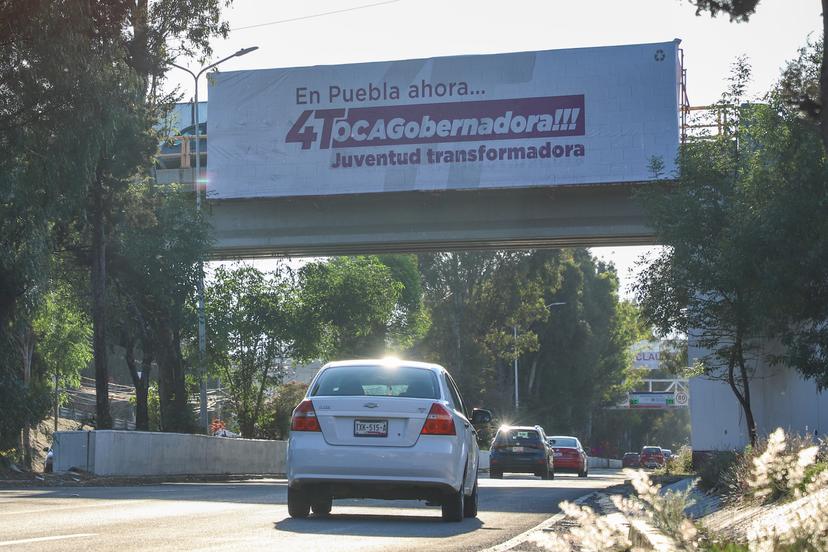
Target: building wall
[(780, 398)]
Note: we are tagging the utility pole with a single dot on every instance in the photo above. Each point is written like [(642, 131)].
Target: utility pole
[(202, 324)]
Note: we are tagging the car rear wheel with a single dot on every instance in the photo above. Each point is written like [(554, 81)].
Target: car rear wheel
[(298, 503), (322, 506), (470, 503), (453, 506)]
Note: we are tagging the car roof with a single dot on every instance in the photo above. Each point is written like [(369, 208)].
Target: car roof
[(561, 437), (384, 362)]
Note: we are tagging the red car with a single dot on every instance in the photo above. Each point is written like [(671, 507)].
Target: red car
[(569, 455), (651, 457)]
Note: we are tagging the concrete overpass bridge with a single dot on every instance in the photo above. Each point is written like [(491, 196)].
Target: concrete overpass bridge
[(573, 216)]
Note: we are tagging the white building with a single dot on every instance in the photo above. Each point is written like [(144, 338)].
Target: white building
[(780, 397)]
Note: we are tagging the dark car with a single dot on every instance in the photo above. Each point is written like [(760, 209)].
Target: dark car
[(521, 449), (651, 457), (569, 455), (631, 460)]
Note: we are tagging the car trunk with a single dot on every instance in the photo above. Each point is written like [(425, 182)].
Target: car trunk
[(371, 420), (566, 453)]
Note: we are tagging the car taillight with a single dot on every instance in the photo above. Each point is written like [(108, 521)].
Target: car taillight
[(304, 417), (438, 422)]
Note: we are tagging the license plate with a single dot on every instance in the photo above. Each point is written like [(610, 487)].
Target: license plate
[(558, 454), (518, 449), (371, 428)]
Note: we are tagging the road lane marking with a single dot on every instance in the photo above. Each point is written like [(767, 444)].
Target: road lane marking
[(44, 539)]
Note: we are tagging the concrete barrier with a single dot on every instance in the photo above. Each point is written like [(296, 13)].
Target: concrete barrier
[(138, 453), (595, 462)]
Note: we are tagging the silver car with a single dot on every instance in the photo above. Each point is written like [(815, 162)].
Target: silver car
[(388, 429)]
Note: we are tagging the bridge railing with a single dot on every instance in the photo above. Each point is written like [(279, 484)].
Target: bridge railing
[(179, 152)]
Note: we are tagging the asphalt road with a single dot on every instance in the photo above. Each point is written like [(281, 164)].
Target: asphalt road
[(252, 515)]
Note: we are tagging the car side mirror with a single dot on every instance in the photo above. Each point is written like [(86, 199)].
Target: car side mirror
[(480, 416)]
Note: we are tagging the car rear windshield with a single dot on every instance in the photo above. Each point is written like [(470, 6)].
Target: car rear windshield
[(377, 381), (651, 450), (517, 437), (563, 442)]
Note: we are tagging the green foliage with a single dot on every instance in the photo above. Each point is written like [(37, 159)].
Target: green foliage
[(98, 68), (682, 461), (746, 253), (254, 324), (275, 419), (19, 404), (353, 304), (715, 472), (811, 474), (64, 336), (572, 357), (738, 10), (410, 320), (154, 272)]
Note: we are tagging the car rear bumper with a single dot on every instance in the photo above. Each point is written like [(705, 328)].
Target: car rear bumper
[(567, 464), (434, 462), (517, 465)]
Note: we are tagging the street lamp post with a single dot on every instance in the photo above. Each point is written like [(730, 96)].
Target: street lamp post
[(514, 329), (202, 331)]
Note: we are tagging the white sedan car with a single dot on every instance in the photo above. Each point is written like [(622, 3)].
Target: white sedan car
[(387, 429)]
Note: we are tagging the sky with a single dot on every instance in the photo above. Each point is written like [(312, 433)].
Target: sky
[(404, 29)]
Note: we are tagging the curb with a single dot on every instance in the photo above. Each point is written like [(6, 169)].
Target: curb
[(542, 526)]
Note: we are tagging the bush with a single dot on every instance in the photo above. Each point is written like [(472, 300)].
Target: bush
[(274, 422), (714, 474), (683, 460), (773, 470)]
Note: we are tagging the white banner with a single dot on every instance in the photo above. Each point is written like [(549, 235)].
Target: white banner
[(558, 117)]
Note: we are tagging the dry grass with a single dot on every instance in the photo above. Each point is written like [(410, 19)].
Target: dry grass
[(787, 475)]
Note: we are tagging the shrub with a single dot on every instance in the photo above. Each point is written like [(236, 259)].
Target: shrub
[(274, 422), (683, 460), (715, 472)]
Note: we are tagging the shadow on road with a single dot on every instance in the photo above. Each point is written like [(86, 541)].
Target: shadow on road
[(377, 525)]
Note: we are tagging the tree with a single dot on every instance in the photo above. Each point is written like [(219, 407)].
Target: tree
[(275, 423), (786, 174), (809, 94), (572, 356), (352, 302), (254, 326), (154, 268), (735, 239), (410, 320)]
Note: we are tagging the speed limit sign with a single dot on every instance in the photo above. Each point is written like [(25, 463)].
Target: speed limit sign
[(681, 398)]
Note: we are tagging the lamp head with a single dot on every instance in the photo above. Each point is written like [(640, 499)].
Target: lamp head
[(245, 51)]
